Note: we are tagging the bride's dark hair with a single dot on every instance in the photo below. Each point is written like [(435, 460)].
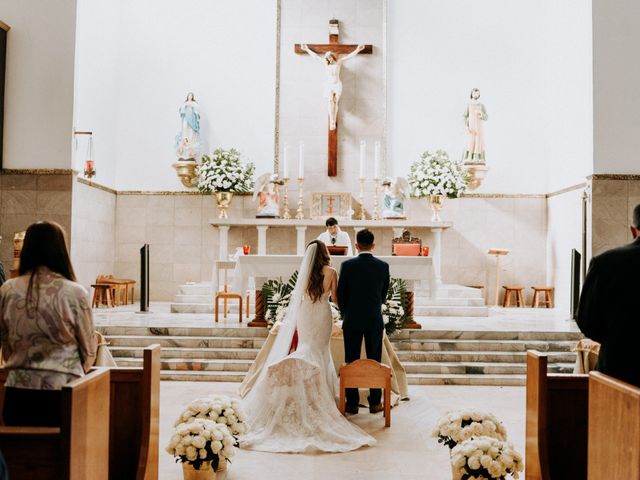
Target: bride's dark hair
[(315, 288)]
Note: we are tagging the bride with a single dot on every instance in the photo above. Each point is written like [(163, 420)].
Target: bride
[(292, 407)]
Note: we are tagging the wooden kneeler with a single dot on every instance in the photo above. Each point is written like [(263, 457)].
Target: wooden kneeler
[(366, 373)]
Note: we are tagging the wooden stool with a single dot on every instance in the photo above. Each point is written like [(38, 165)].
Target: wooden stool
[(547, 294), (118, 290), (513, 289), (366, 373), (102, 295), (224, 294)]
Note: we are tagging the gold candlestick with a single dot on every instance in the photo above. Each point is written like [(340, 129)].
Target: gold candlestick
[(300, 212), (376, 213), (286, 214), (362, 214)]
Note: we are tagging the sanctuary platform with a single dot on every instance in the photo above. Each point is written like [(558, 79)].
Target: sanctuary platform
[(447, 351)]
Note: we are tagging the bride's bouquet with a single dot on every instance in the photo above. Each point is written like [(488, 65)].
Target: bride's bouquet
[(201, 441), (485, 458), (217, 408), (456, 427)]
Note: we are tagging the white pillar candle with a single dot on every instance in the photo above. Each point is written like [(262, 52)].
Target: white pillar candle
[(301, 160), (363, 157), (285, 162), (376, 161)]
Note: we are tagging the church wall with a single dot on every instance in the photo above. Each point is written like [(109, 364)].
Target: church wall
[(39, 83), (92, 232)]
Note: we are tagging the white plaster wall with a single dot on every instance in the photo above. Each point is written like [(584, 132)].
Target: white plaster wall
[(223, 51), (616, 77), (39, 83)]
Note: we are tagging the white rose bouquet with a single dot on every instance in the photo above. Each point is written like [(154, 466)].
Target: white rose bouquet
[(485, 458), (456, 427), (435, 174), (223, 172), (200, 441), (217, 408)]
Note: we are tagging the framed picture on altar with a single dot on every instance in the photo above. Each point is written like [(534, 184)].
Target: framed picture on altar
[(331, 204)]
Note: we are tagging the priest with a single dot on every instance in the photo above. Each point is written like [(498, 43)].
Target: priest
[(334, 237)]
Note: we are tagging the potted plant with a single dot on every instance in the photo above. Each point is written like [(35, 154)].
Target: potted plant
[(456, 427), (222, 173), (435, 176), (485, 458)]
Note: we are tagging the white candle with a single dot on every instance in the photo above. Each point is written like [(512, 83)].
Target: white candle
[(285, 162), (301, 160), (376, 161), (363, 157)]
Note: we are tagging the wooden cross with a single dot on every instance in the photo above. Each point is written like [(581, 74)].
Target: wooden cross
[(337, 49)]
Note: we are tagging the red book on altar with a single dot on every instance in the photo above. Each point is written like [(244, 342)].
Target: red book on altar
[(336, 250)]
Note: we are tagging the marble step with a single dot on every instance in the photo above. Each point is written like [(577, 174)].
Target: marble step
[(201, 376), (479, 356), (178, 331), (185, 341), (189, 353), (504, 380), (193, 298), (195, 289), (450, 311), (192, 364), (479, 368), (483, 345), (448, 302), (192, 308), (423, 334), (450, 291)]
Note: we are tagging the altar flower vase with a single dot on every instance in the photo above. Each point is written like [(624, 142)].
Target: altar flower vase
[(223, 200), (436, 201), (206, 472)]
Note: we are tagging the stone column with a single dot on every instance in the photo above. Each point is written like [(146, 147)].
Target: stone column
[(223, 251), (262, 239), (300, 239), (436, 253)]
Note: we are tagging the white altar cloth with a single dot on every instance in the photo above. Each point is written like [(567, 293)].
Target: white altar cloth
[(265, 267)]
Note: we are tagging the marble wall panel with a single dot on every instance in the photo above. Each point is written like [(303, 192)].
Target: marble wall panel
[(611, 207)]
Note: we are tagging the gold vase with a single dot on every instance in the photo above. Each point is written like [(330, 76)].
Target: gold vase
[(436, 201), (206, 472), (223, 199)]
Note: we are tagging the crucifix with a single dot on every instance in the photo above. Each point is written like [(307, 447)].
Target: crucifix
[(333, 62)]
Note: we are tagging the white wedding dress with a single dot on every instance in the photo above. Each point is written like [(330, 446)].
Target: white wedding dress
[(292, 407)]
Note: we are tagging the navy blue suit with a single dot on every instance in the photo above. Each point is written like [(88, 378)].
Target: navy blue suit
[(362, 289)]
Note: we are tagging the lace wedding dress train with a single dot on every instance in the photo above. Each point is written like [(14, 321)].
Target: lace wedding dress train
[(292, 407)]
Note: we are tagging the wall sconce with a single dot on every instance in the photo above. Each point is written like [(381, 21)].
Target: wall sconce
[(89, 165)]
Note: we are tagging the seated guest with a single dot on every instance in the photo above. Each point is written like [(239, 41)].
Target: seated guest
[(46, 329), (334, 237), (608, 311)]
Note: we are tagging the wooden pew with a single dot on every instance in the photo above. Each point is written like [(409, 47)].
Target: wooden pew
[(614, 429), (78, 449), (556, 423), (134, 419)]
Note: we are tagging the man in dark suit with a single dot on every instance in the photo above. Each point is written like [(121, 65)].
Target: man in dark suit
[(362, 289), (609, 310)]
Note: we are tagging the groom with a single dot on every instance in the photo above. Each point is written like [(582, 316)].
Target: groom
[(362, 289)]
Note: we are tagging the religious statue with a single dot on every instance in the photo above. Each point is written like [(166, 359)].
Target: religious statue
[(187, 143), (474, 115), (393, 196), (266, 191), (333, 87)]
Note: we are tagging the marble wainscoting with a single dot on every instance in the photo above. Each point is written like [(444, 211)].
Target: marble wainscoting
[(30, 195)]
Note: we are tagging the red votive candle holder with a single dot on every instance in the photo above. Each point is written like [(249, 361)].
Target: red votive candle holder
[(425, 251), (246, 249)]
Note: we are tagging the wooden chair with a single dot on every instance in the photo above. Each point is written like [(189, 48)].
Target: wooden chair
[(366, 373), (546, 293), (406, 245), (614, 429), (556, 423), (510, 290), (78, 449), (224, 294), (134, 419), (102, 295)]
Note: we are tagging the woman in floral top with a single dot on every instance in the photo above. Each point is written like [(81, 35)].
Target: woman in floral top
[(46, 328)]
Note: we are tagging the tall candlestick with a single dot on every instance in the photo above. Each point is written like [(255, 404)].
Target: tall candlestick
[(363, 157), (285, 162), (301, 160), (362, 214), (300, 211), (376, 213), (376, 161), (286, 214)]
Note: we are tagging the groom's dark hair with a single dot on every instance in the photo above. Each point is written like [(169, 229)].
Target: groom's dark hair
[(365, 238)]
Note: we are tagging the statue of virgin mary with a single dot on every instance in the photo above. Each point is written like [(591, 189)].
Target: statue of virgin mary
[(187, 143)]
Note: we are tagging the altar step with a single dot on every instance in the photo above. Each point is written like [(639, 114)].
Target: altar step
[(430, 357)]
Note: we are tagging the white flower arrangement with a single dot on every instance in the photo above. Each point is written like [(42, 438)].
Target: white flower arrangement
[(456, 427), (436, 174), (200, 441), (277, 295), (394, 314), (223, 172), (485, 458), (217, 408)]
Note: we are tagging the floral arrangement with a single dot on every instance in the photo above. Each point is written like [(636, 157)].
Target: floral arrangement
[(223, 172), (436, 174), (456, 427), (276, 295), (485, 458), (201, 441), (396, 307), (217, 408)]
